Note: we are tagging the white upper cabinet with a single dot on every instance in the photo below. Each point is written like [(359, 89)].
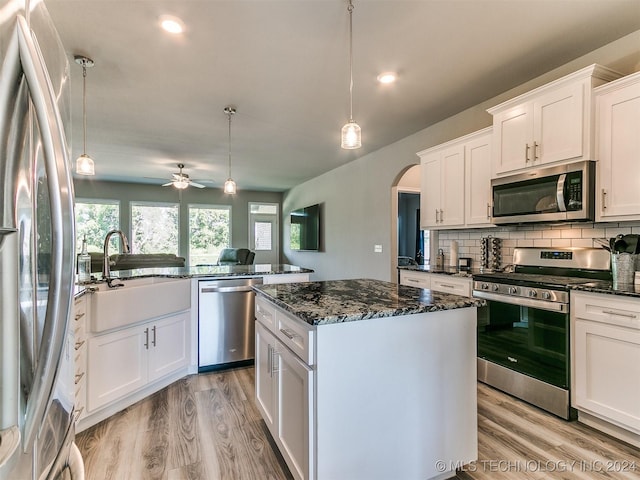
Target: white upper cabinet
[(478, 179), (618, 149), (551, 124), (442, 192), (456, 183)]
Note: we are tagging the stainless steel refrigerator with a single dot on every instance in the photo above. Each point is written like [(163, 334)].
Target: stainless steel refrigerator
[(36, 250)]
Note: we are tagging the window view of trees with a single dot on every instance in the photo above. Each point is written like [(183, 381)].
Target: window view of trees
[(93, 220), (209, 232), (155, 228)]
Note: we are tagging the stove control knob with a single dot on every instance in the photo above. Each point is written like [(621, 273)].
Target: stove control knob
[(485, 286), (532, 293), (546, 295), (513, 290), (495, 287)]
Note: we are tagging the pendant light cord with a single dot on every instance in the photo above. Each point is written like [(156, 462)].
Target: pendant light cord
[(350, 9), (84, 110), (229, 113)]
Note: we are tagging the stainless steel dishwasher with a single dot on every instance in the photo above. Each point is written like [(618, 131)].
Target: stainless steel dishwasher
[(226, 322)]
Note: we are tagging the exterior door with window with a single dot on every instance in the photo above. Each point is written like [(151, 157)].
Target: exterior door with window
[(263, 232)]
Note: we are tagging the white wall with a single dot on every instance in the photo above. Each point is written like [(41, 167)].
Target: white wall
[(356, 197)]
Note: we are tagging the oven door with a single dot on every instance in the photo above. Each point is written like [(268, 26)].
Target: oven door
[(531, 341)]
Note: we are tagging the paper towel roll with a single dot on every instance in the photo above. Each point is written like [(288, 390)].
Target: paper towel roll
[(453, 258)]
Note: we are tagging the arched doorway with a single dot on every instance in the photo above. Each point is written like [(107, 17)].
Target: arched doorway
[(406, 236)]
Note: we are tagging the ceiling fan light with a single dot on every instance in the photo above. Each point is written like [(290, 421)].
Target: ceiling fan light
[(85, 165), (351, 136), (230, 186), (181, 184)]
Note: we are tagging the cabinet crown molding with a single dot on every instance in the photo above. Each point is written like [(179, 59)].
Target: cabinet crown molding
[(600, 72)]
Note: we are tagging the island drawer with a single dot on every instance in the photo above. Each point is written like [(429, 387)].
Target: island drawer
[(266, 313), (296, 335)]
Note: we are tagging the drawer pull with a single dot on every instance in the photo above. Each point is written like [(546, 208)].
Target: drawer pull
[(288, 333), (79, 316), (620, 314), (444, 285), (79, 344), (78, 377), (413, 280)]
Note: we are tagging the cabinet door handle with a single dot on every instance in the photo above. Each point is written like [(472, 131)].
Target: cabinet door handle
[(288, 333), (146, 338), (441, 215), (604, 199), (620, 314), (526, 153), (274, 361), (269, 360), (79, 316), (79, 344), (78, 377), (436, 215), (535, 151), (488, 211), (153, 342)]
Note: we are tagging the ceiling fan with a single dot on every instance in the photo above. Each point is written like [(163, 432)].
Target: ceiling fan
[(181, 180)]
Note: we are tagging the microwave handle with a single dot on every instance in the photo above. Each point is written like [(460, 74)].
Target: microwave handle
[(562, 207)]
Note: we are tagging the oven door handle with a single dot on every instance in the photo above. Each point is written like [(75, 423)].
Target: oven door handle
[(522, 301)]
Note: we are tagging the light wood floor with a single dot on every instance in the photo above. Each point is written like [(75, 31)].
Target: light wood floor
[(207, 427)]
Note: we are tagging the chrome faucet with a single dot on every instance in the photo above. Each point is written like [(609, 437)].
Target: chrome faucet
[(106, 265)]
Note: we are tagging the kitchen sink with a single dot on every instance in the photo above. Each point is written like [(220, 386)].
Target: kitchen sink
[(136, 301)]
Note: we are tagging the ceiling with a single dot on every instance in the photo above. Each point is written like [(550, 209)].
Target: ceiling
[(155, 99)]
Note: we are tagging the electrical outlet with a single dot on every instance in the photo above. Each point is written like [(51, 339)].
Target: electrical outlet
[(377, 249)]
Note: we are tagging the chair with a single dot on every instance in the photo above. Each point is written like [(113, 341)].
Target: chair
[(236, 256)]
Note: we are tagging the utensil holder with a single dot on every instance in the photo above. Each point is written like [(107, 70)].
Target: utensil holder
[(623, 267)]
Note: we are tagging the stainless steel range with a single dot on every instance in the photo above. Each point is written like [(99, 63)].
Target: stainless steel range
[(523, 332)]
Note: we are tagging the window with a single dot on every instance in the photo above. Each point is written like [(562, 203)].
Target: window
[(209, 232), (155, 228), (94, 218)]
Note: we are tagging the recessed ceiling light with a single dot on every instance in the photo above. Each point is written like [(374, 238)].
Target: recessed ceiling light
[(387, 77), (171, 24)]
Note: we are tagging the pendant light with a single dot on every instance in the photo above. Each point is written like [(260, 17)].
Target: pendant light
[(351, 133), (84, 163), (229, 185)]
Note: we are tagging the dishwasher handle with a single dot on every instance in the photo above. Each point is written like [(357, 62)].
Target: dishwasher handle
[(241, 288)]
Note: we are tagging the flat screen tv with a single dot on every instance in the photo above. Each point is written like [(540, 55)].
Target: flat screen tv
[(305, 228)]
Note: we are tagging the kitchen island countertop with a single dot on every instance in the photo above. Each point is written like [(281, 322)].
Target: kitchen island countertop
[(338, 301)]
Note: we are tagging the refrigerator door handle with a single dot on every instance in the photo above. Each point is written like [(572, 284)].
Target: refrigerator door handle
[(60, 188)]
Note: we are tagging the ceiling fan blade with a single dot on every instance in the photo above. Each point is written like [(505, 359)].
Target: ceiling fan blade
[(167, 184), (197, 185), (178, 176)]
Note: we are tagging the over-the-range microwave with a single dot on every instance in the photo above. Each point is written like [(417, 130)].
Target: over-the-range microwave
[(550, 194)]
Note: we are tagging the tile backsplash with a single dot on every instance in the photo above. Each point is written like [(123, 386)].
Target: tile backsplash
[(565, 235)]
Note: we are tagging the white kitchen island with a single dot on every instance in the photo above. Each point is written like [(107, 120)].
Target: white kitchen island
[(363, 379)]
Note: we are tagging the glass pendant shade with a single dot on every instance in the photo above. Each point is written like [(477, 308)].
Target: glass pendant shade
[(84, 165), (230, 186), (351, 136), (181, 184)]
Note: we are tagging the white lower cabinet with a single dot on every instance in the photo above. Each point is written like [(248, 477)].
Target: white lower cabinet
[(606, 363), (284, 394), (126, 360)]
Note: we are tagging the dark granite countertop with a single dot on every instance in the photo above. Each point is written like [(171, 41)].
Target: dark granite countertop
[(626, 290), (218, 271), (338, 301)]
